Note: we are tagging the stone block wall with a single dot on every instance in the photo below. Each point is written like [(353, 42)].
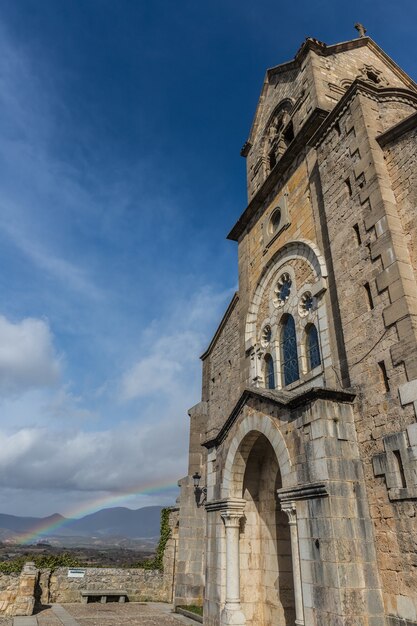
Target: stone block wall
[(141, 585), (370, 227), (18, 591), (9, 587), (221, 376), (190, 561)]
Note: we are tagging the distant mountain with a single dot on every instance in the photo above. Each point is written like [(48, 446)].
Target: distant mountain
[(120, 521), (117, 522), (26, 524)]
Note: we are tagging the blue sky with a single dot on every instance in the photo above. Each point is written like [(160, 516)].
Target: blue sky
[(121, 124)]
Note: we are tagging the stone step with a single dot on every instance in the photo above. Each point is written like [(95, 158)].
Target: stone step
[(64, 616), (25, 621)]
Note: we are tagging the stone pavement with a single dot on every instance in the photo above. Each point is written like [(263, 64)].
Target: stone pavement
[(111, 614)]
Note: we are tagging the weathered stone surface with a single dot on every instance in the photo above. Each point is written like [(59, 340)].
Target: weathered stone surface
[(141, 585)]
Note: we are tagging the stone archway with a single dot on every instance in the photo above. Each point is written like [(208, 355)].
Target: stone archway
[(257, 465), (266, 574)]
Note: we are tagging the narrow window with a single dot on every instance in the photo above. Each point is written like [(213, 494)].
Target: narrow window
[(272, 159), (288, 134), (384, 375), (397, 455), (312, 347), (348, 185), (369, 294), (358, 234), (290, 371), (269, 372), (337, 128)]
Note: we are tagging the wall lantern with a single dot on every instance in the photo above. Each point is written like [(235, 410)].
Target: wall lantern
[(199, 492)]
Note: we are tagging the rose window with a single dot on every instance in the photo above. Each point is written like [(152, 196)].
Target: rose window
[(282, 290), (306, 304)]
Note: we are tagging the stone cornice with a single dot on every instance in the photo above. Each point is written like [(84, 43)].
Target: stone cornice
[(284, 163), (370, 91), (290, 400), (302, 492), (398, 130), (229, 505)]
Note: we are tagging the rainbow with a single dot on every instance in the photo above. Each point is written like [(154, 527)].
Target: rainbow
[(45, 527)]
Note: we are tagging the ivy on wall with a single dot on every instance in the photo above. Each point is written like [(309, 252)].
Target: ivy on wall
[(157, 561)]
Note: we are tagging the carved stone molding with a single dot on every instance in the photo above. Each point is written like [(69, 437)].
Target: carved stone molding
[(302, 492), (290, 510), (227, 506)]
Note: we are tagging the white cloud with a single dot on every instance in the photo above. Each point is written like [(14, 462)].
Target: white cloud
[(114, 460), (162, 369), (27, 356), (166, 363), (148, 447)]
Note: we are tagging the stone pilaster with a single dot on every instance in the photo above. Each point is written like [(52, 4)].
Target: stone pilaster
[(290, 509)]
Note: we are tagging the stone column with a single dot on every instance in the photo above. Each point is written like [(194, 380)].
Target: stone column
[(232, 513), (290, 510)]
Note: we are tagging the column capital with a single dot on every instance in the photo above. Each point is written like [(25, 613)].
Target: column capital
[(289, 508), (231, 520), (231, 511)]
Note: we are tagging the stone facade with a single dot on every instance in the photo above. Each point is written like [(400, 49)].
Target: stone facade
[(306, 435)]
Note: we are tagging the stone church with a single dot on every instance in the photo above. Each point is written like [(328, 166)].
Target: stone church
[(300, 504)]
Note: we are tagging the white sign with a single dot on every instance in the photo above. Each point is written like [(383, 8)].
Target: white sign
[(76, 573)]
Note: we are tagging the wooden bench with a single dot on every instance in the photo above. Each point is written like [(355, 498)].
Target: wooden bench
[(103, 595)]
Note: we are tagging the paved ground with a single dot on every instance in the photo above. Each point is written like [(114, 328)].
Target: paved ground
[(111, 614)]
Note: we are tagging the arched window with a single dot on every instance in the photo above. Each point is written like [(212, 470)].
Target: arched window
[(290, 371), (312, 347), (269, 372)]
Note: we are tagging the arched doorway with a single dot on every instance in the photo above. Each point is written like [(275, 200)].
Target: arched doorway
[(266, 574)]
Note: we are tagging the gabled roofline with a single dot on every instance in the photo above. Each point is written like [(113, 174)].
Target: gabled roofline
[(322, 49), (222, 324), (286, 399)]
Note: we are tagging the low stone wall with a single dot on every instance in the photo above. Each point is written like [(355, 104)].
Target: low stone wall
[(19, 593), (141, 585), (9, 586)]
